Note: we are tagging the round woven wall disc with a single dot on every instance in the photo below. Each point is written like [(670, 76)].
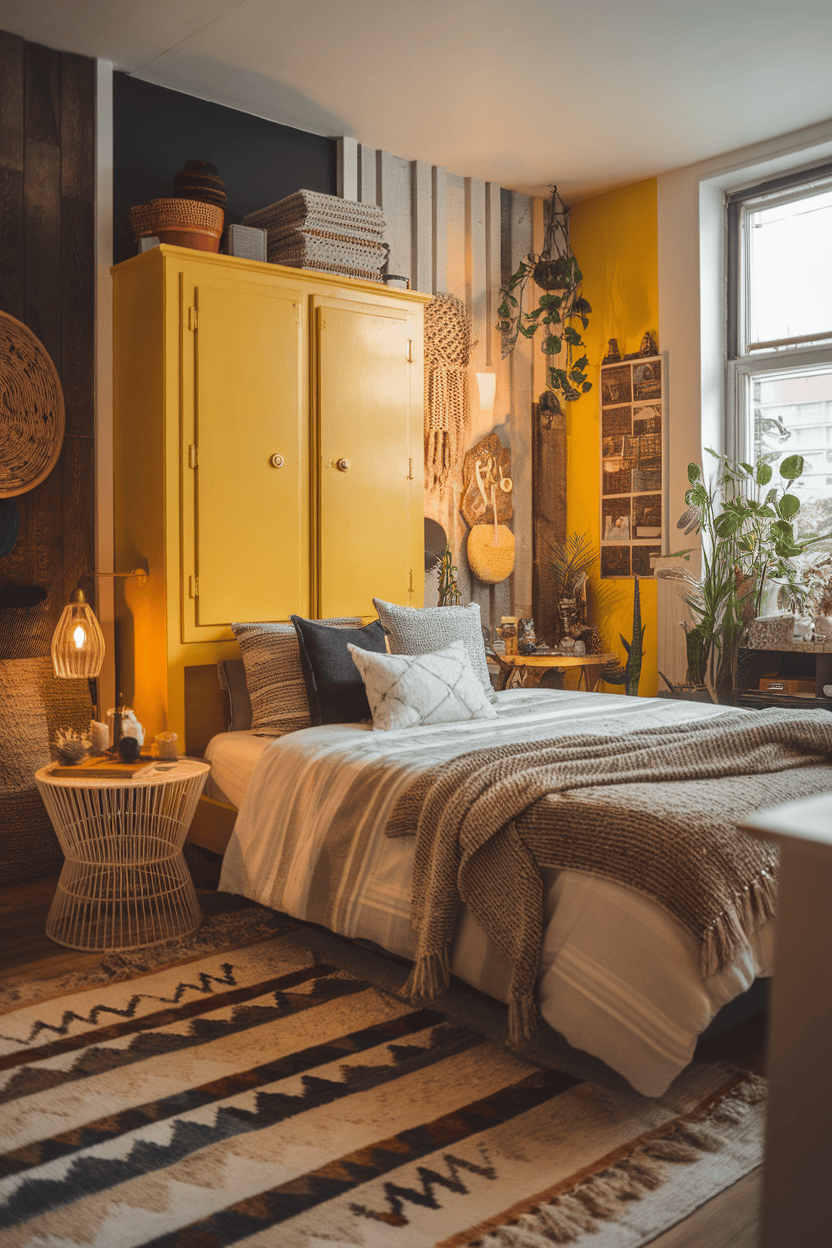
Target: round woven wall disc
[(31, 409)]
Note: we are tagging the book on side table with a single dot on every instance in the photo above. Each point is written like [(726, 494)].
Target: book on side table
[(106, 766)]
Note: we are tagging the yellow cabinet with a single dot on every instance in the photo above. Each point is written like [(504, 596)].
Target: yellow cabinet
[(268, 451)]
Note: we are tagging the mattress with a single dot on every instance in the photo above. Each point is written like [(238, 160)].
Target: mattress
[(619, 977)]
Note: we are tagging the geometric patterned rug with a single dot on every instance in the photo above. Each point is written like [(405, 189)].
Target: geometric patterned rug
[(276, 1096)]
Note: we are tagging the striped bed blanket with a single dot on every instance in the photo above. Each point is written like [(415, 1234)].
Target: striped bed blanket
[(655, 810)]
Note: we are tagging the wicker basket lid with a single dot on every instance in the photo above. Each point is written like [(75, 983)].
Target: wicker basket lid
[(200, 180), (31, 409)]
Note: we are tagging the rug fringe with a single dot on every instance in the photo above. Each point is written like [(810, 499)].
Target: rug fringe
[(430, 976), (755, 905), (568, 1215)]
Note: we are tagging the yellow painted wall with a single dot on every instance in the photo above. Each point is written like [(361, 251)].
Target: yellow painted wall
[(614, 238)]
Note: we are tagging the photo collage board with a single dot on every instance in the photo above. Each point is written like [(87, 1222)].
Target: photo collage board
[(632, 457)]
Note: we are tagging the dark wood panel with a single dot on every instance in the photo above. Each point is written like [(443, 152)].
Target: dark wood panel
[(548, 512), (77, 127), (77, 467), (11, 102), (42, 244), (78, 315), (43, 95), (46, 527), (12, 285)]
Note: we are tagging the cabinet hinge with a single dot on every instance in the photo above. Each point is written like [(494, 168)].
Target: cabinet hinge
[(296, 306), (410, 350), (193, 586), (192, 318), (193, 457), (410, 586), (410, 470)]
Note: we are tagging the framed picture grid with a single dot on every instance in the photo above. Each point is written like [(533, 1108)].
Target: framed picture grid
[(633, 453)]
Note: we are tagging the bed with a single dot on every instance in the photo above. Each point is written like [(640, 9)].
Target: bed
[(619, 977)]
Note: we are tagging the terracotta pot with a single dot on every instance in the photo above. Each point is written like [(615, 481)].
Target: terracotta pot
[(197, 237)]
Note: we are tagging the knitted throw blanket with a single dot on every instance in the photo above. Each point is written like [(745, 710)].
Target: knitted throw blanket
[(654, 811)]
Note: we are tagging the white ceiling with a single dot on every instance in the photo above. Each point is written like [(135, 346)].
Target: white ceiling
[(588, 93)]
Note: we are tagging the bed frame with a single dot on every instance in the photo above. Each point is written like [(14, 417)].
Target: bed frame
[(206, 714)]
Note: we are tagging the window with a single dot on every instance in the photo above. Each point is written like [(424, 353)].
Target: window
[(780, 331)]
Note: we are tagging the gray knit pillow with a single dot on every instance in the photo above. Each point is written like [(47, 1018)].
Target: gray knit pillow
[(274, 677), (414, 690), (421, 630)]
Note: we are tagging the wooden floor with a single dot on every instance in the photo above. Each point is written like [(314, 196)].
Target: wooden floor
[(730, 1220)]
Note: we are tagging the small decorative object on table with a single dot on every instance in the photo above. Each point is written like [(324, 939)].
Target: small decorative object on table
[(70, 746), (166, 744), (449, 594), (100, 737), (508, 632), (526, 640)]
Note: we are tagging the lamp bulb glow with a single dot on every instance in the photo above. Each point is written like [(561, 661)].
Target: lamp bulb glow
[(79, 636)]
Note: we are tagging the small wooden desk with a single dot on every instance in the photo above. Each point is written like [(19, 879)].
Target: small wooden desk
[(535, 666), (798, 1159)]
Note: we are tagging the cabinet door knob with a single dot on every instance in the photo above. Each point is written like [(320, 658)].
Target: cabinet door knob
[(343, 465), (277, 461)]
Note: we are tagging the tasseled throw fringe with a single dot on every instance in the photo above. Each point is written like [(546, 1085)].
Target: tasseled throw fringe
[(565, 1215), (430, 976), (523, 1019), (727, 934)]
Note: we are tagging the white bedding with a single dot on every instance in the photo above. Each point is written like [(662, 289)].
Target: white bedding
[(619, 977)]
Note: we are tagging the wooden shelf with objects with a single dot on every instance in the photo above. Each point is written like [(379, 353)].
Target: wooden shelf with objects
[(795, 675)]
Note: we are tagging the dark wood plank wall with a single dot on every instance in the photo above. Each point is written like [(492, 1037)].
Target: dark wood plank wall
[(47, 280)]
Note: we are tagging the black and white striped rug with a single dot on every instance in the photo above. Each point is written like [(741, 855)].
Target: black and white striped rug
[(270, 1097)]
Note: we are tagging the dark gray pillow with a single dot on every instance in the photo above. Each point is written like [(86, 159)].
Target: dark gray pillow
[(334, 687)]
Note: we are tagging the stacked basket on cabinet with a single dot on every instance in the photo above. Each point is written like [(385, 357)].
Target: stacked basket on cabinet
[(310, 230)]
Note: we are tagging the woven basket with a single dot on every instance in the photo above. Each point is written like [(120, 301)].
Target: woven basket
[(31, 409), (183, 222), (140, 220), (172, 214)]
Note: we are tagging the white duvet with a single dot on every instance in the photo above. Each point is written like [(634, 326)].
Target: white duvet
[(619, 977)]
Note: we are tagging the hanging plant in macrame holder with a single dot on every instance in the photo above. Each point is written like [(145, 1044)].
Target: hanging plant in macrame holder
[(447, 356)]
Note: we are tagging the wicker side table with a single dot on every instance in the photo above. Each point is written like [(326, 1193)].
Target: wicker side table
[(125, 882)]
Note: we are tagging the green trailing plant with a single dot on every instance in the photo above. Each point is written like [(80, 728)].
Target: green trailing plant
[(630, 674), (449, 592), (749, 540), (555, 271)]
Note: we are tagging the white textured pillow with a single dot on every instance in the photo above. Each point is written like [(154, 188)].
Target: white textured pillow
[(409, 690), (424, 630)]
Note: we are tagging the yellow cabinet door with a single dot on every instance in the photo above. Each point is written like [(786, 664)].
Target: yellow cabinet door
[(251, 455), (363, 408)]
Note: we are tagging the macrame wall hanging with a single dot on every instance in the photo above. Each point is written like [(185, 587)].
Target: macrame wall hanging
[(447, 356)]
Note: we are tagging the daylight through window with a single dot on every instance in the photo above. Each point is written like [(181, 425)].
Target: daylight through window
[(780, 332)]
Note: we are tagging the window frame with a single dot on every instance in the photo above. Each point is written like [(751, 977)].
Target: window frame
[(741, 362)]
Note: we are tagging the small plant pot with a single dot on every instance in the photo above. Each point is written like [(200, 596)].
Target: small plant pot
[(197, 237)]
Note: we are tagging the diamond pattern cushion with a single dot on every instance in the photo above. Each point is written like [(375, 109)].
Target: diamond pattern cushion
[(276, 687), (421, 630), (410, 690)]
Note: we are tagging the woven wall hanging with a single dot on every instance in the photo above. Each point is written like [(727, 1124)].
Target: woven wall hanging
[(31, 409), (447, 355)]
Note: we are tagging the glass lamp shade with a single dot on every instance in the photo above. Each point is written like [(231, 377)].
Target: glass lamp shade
[(78, 642)]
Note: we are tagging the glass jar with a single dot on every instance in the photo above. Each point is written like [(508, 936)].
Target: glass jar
[(508, 632)]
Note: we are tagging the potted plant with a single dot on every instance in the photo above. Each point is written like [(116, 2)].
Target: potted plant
[(555, 271), (747, 526)]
